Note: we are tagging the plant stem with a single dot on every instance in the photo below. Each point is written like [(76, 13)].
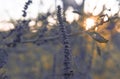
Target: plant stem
[(68, 73)]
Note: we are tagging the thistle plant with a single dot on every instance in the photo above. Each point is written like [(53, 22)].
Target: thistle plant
[(68, 73), (22, 27), (26, 7)]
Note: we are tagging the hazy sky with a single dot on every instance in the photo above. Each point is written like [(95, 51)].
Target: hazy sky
[(13, 8), (109, 7), (10, 8)]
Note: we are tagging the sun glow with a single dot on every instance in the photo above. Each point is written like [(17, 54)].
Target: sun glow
[(89, 23)]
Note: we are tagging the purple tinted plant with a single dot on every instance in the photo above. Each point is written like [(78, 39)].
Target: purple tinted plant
[(68, 73), (20, 29), (63, 35), (26, 7)]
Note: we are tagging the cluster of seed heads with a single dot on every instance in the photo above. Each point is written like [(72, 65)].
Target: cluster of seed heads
[(66, 43)]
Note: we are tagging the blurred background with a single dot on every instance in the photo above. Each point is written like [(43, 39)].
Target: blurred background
[(44, 59)]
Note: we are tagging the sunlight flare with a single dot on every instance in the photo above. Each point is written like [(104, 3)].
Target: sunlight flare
[(90, 23)]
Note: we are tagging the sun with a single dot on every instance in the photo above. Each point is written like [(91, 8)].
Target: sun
[(89, 23)]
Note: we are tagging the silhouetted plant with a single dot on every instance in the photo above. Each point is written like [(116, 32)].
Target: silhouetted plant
[(26, 7), (22, 27), (66, 46)]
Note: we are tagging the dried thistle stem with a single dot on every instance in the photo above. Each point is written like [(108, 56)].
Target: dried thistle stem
[(66, 44)]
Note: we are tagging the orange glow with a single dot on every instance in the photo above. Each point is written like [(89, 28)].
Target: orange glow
[(117, 27), (93, 23), (89, 23)]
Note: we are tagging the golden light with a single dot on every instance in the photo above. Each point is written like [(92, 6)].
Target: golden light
[(117, 27), (96, 23), (89, 23), (6, 26), (70, 16)]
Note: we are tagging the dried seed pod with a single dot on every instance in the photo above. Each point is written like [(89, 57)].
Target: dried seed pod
[(96, 36)]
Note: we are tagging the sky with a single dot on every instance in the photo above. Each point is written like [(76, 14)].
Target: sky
[(13, 8), (109, 7)]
